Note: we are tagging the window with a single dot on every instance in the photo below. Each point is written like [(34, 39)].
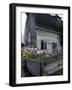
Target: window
[(43, 45), (54, 45)]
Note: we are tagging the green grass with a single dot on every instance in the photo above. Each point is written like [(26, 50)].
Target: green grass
[(59, 72)]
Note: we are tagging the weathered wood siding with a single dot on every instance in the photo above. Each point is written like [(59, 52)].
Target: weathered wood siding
[(30, 30), (49, 38)]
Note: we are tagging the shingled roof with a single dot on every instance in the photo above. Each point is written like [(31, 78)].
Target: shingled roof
[(48, 21)]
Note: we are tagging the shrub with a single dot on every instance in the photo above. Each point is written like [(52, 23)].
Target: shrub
[(30, 54)]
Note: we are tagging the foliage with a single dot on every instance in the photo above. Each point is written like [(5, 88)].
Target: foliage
[(32, 55)]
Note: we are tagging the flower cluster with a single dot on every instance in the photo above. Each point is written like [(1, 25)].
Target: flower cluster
[(35, 53)]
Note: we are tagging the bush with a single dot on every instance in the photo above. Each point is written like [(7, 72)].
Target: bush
[(25, 54), (29, 54)]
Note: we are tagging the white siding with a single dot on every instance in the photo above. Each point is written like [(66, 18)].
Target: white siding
[(49, 38)]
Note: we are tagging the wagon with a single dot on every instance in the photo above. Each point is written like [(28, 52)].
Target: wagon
[(43, 67)]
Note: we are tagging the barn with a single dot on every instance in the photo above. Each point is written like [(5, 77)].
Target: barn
[(44, 31)]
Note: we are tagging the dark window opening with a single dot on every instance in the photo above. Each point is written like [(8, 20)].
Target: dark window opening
[(43, 45), (54, 46)]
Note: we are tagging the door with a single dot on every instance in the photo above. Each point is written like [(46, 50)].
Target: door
[(43, 45)]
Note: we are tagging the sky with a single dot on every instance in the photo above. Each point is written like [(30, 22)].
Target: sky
[(24, 17)]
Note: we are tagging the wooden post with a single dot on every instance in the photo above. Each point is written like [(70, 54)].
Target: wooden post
[(41, 68)]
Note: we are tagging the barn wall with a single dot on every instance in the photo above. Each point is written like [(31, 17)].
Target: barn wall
[(49, 38)]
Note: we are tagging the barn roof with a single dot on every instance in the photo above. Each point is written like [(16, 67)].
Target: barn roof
[(48, 21)]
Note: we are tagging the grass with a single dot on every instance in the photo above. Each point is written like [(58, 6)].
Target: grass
[(59, 72)]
